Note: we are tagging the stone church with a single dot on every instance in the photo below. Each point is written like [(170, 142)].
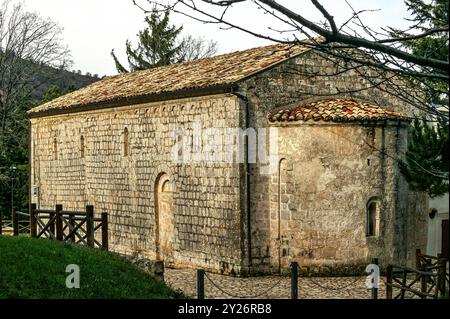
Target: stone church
[(332, 198)]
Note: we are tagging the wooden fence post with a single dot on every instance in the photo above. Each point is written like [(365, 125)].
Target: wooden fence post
[(294, 280), (418, 262), (389, 282), (33, 223), (441, 274), (105, 230), (90, 225), (423, 285), (15, 220), (59, 222)]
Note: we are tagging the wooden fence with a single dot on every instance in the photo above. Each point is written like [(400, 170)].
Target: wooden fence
[(68, 226), (15, 226), (20, 224), (429, 280)]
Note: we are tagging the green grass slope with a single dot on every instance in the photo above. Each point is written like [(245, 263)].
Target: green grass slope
[(36, 268)]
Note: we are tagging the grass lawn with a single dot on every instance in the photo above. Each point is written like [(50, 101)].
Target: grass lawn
[(36, 268)]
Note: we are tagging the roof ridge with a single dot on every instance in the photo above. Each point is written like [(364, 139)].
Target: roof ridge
[(217, 71), (206, 58)]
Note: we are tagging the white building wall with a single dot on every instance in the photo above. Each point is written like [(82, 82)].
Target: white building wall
[(435, 224)]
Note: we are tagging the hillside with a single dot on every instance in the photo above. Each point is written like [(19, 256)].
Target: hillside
[(64, 79), (36, 268)]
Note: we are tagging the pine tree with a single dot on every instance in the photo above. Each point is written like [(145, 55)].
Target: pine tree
[(160, 44), (426, 164), (427, 159), (431, 15), (54, 92)]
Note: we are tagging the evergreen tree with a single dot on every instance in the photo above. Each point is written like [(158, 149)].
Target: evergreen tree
[(426, 164), (160, 44), (428, 16), (53, 92), (157, 45), (427, 159)]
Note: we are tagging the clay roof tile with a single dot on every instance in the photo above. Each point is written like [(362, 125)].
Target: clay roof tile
[(337, 110), (219, 70)]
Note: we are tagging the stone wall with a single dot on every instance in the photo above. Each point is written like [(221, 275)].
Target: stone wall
[(206, 196), (316, 201), (328, 175)]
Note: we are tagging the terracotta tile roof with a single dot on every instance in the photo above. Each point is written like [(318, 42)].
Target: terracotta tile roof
[(335, 110), (214, 71)]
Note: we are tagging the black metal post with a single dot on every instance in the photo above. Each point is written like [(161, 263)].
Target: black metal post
[(294, 280), (13, 169), (389, 282), (200, 284), (374, 293)]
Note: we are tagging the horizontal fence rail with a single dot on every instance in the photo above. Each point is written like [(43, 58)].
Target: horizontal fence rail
[(78, 227), (427, 281), (19, 224)]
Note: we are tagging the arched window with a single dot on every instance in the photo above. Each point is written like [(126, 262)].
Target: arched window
[(55, 149), (126, 143), (82, 146), (373, 217)]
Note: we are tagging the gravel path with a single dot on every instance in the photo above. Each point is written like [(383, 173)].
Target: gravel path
[(270, 287)]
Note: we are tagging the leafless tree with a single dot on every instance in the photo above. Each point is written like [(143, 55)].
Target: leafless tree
[(194, 48), (381, 58), (27, 43)]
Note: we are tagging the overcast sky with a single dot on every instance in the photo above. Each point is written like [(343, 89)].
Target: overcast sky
[(91, 28)]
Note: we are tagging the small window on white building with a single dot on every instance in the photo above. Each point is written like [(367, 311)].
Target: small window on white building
[(373, 217)]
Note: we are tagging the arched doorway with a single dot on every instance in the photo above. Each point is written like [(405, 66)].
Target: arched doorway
[(164, 218)]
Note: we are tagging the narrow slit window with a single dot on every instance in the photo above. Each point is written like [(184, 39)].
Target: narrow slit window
[(55, 149), (126, 143), (82, 146), (373, 218)]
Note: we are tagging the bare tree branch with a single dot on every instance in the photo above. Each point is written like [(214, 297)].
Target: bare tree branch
[(379, 50), (358, 42), (327, 16), (415, 37)]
